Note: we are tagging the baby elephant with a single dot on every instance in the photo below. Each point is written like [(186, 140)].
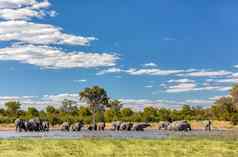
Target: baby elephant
[(76, 126), (126, 126), (116, 126), (65, 126), (163, 125), (101, 126)]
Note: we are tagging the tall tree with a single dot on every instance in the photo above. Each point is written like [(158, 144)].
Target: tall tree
[(234, 94), (96, 97), (12, 107)]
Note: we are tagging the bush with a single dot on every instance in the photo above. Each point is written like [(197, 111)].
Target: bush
[(234, 118)]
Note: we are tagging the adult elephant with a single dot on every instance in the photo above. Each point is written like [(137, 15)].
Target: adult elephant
[(126, 126), (45, 126), (65, 126), (180, 126), (116, 126), (101, 126), (140, 126), (92, 127), (76, 126), (34, 124), (20, 125), (163, 125)]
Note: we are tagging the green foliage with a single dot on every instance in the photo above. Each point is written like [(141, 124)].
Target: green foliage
[(12, 107), (234, 118), (101, 108)]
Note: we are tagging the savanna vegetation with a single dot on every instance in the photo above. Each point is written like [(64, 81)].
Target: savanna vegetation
[(101, 108), (187, 147)]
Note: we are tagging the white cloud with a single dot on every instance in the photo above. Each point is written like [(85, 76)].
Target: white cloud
[(151, 64), (53, 58), (204, 73), (214, 98), (149, 86), (235, 66), (110, 70), (182, 87), (181, 81), (81, 81), (32, 33), (152, 72), (146, 71), (23, 9), (199, 102), (188, 87), (231, 80)]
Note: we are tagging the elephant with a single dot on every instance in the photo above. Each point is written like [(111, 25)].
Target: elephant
[(76, 126), (163, 125), (45, 126), (34, 124), (101, 126), (126, 126), (207, 125), (116, 126), (65, 126), (140, 126), (20, 125), (92, 127), (179, 126)]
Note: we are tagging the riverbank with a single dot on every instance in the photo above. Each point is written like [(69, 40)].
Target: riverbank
[(197, 125), (175, 147)]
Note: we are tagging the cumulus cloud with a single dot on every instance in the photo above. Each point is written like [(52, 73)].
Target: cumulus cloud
[(151, 64), (32, 43), (54, 58), (81, 81), (143, 71), (188, 87), (205, 73), (23, 9), (181, 81), (32, 33)]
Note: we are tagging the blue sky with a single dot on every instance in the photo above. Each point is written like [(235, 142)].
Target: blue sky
[(162, 53)]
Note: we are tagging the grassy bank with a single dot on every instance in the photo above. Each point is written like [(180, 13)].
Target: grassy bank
[(105, 147)]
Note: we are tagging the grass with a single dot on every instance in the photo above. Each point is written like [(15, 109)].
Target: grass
[(184, 147)]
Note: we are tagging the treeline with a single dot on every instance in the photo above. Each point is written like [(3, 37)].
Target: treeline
[(104, 109)]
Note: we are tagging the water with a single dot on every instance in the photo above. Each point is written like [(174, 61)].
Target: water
[(147, 134), (151, 134)]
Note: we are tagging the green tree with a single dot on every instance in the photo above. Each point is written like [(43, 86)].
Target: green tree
[(12, 107), (234, 118), (69, 106), (96, 97), (126, 112), (149, 114), (223, 108), (32, 112), (50, 110), (115, 106), (186, 112), (164, 114), (108, 115)]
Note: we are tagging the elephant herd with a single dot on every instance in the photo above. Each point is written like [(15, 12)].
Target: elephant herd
[(115, 126), (37, 125), (34, 124), (175, 126), (181, 125)]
